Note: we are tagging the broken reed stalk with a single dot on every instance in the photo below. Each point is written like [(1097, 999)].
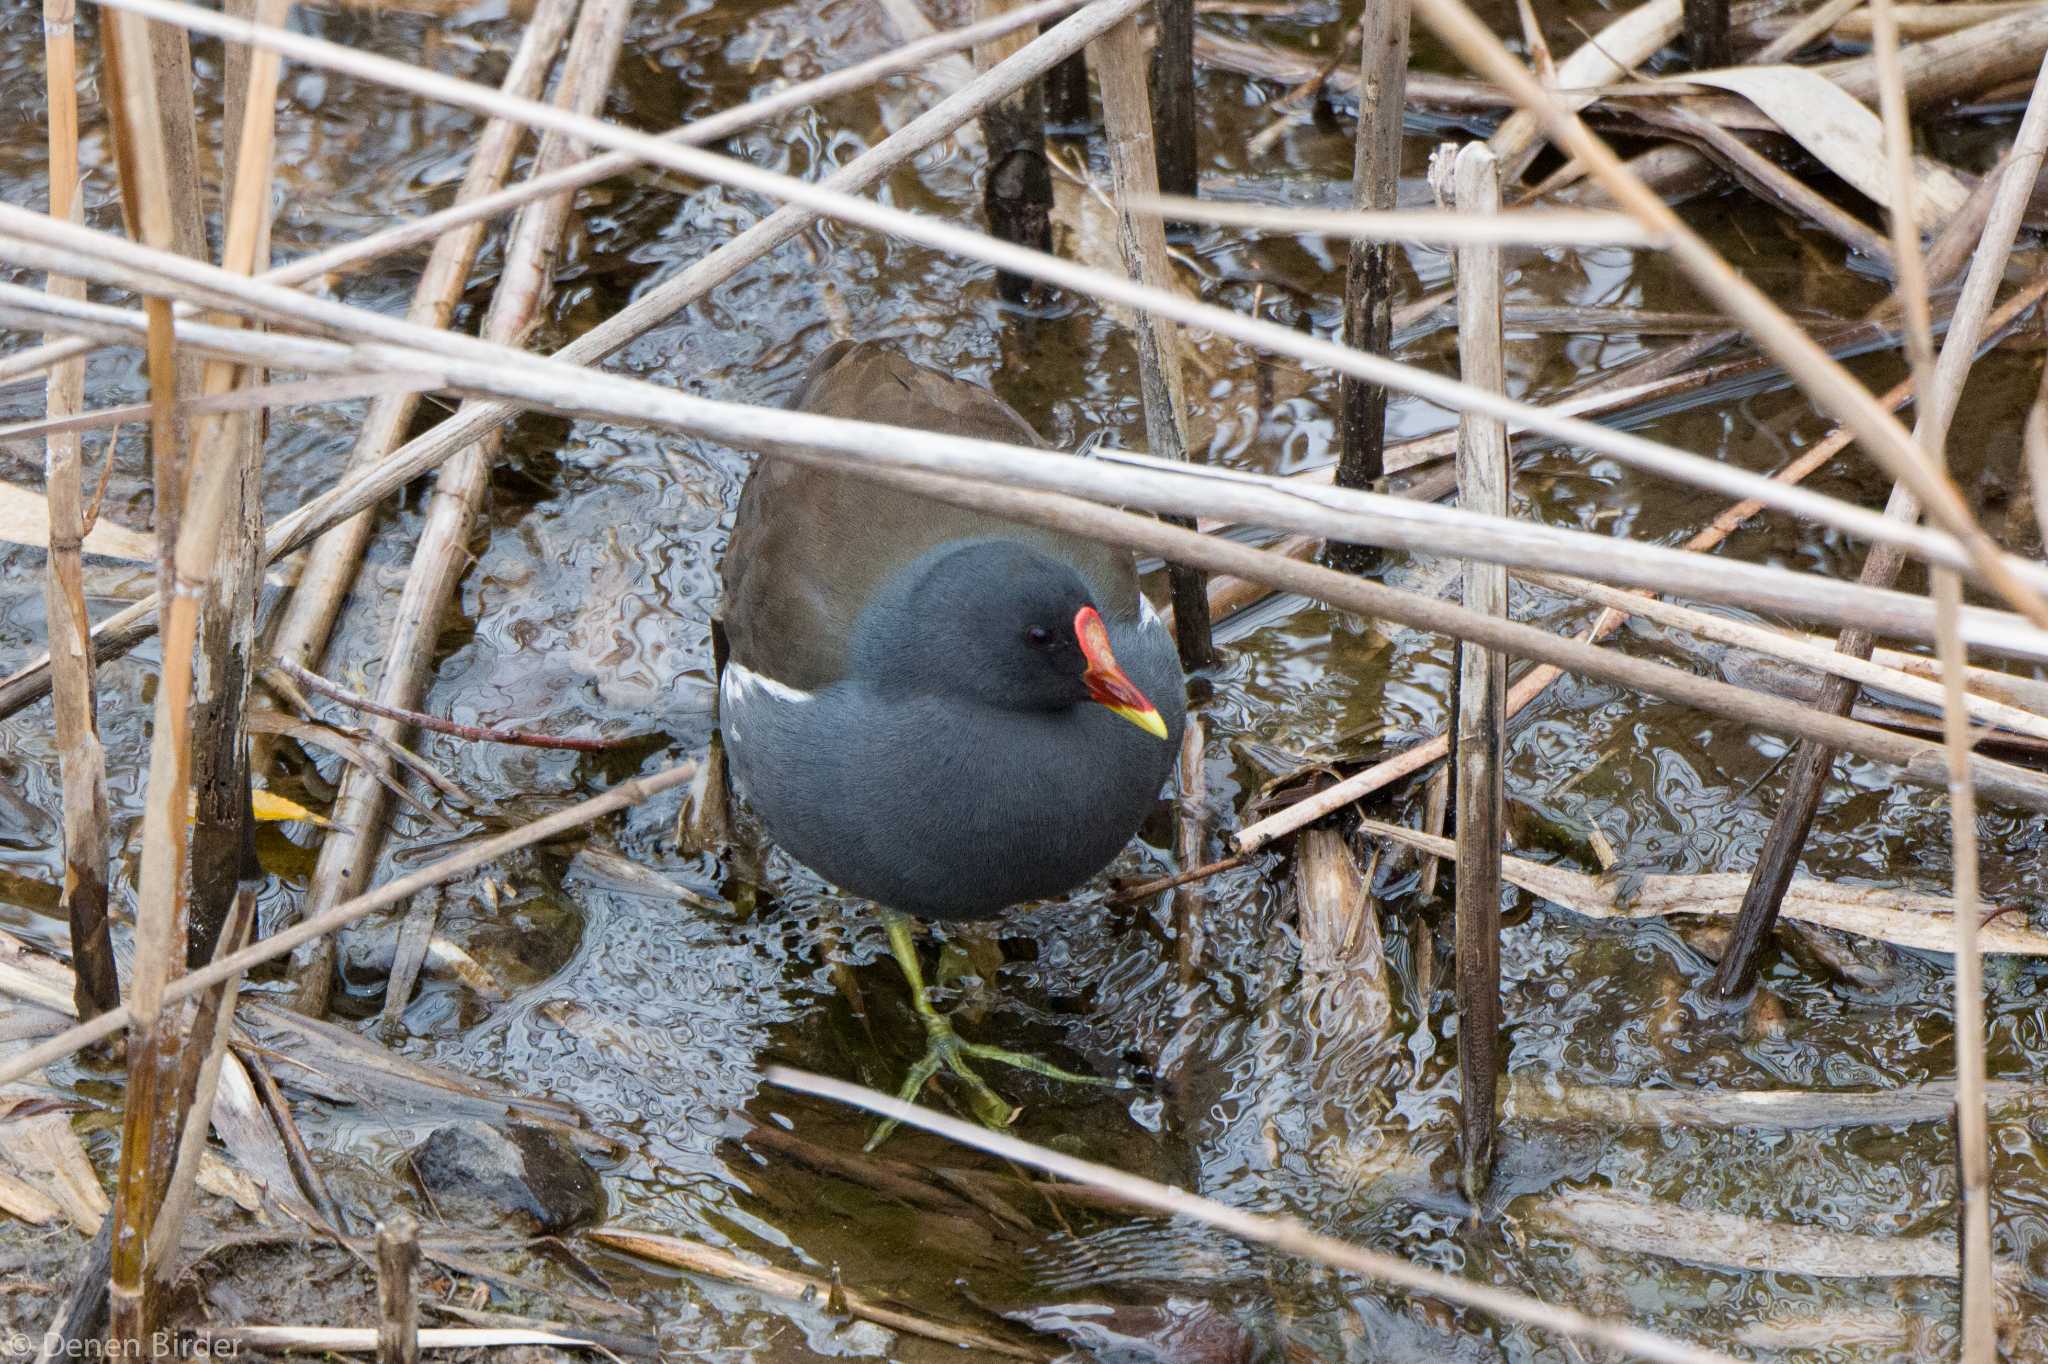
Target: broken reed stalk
[(227, 611), (74, 702), (219, 544), (1281, 1233), (631, 792), (1482, 689), (1829, 385), (142, 141), (415, 719), (1017, 182), (398, 1302), (307, 619), (125, 628), (441, 549), (1973, 1176), (1171, 108), (1119, 61), (1369, 269), (1778, 859)]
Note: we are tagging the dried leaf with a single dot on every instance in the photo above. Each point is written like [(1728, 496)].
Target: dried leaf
[(1840, 130)]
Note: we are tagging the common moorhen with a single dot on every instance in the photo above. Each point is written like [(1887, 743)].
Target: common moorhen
[(941, 711)]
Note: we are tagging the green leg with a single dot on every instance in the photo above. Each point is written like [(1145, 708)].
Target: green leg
[(946, 1048)]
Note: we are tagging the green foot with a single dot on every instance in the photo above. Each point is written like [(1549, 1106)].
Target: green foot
[(947, 1049)]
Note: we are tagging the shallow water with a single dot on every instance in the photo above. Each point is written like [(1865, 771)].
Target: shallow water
[(585, 607)]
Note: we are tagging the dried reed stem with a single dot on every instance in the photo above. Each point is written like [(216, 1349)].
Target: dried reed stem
[(1979, 1308), (74, 698), (234, 443), (1483, 480), (398, 1305), (142, 143), (1369, 222), (1134, 169), (1369, 268)]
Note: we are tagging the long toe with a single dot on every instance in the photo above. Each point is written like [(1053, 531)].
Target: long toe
[(1025, 1061)]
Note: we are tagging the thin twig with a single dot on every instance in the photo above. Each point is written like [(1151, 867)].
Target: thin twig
[(483, 734), (1145, 890)]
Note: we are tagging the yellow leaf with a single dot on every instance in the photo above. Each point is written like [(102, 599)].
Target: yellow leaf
[(273, 807)]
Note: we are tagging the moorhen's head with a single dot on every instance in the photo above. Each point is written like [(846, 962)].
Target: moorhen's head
[(998, 623)]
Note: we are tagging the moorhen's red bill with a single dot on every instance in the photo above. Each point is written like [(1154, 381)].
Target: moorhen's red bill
[(939, 710)]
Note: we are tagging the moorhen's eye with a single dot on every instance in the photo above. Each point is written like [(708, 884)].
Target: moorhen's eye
[(1039, 636)]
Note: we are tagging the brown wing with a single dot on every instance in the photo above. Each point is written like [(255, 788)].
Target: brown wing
[(809, 546)]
